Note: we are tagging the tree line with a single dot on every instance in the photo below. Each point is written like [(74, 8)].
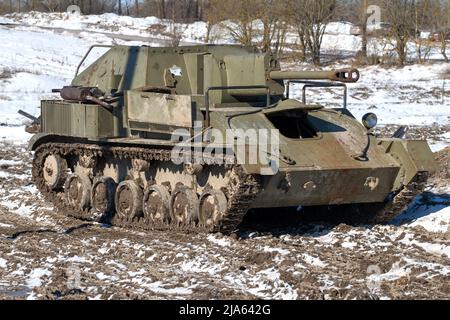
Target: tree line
[(401, 22), (278, 18), (180, 10)]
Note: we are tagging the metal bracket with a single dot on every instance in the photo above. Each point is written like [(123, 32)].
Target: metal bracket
[(87, 54), (316, 84)]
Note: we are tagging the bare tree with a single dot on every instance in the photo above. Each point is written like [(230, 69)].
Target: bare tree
[(364, 16), (441, 25), (241, 14), (423, 12), (136, 8), (401, 16), (202, 5), (296, 18), (176, 31), (162, 9), (271, 14), (251, 22), (51, 5), (212, 19), (311, 18)]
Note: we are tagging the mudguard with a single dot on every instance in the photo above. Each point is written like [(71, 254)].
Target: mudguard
[(414, 156)]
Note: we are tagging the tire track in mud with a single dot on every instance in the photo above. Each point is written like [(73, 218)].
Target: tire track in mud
[(46, 255)]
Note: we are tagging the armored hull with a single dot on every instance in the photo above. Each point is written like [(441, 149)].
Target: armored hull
[(106, 151)]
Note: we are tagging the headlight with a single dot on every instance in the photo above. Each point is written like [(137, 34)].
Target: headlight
[(370, 120)]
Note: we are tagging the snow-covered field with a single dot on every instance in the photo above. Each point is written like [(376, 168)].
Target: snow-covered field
[(47, 255), (43, 252)]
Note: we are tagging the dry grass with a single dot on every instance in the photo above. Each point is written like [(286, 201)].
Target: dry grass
[(6, 74)]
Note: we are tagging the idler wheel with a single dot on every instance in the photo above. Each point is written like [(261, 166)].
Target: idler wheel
[(213, 205), (128, 200), (184, 206), (78, 191), (156, 203), (102, 194), (54, 171)]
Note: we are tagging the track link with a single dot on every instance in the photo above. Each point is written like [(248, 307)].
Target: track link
[(241, 191)]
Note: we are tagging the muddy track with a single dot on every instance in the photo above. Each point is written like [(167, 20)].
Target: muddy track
[(241, 191)]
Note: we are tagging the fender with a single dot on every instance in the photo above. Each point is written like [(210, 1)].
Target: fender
[(414, 156), (42, 138)]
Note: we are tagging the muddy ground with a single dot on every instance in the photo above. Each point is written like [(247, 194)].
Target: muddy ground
[(46, 255)]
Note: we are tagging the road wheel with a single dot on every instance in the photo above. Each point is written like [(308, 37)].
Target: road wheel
[(102, 194), (184, 206), (212, 207), (54, 171), (128, 200), (78, 191), (156, 204)]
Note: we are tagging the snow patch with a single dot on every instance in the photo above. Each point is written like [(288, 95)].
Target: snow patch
[(222, 242), (432, 248), (9, 163), (430, 212), (157, 287), (4, 225), (102, 276), (314, 261), (268, 283), (13, 134), (349, 245), (34, 278)]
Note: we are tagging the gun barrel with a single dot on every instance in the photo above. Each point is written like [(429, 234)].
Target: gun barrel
[(343, 75), (29, 116)]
